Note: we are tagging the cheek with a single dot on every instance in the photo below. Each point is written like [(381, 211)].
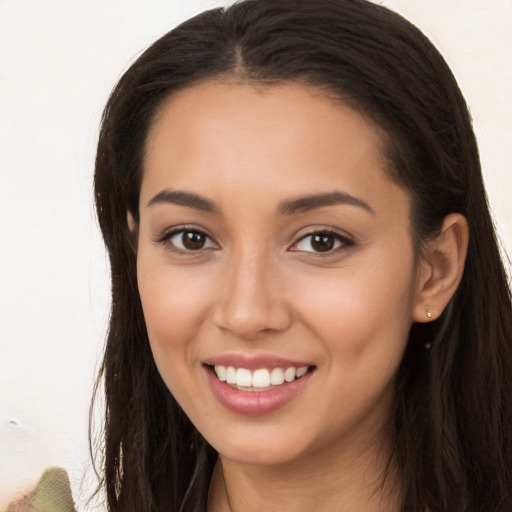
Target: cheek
[(174, 305), (363, 311), (362, 320), (172, 297)]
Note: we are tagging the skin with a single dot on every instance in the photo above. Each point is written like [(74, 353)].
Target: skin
[(258, 286)]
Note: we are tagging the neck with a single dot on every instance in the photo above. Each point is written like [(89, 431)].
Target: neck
[(340, 481)]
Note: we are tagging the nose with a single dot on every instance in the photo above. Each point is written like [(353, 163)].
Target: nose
[(251, 302)]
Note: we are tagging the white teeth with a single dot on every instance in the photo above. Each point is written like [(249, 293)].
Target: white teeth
[(289, 374), (230, 375), (243, 377), (261, 378), (277, 376), (221, 372), (301, 371)]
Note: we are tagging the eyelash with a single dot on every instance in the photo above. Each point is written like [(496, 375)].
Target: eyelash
[(166, 239), (342, 241)]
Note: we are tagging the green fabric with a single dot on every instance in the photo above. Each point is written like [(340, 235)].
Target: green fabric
[(52, 494)]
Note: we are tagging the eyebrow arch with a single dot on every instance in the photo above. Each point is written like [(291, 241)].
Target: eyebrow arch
[(183, 198), (306, 203)]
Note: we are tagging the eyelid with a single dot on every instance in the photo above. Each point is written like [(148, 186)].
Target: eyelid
[(345, 240), (167, 234)]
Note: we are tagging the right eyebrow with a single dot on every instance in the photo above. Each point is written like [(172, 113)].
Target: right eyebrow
[(182, 198), (311, 202)]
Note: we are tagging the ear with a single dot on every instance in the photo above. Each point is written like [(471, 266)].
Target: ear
[(441, 268), (133, 227)]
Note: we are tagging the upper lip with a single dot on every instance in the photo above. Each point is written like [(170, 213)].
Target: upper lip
[(254, 362)]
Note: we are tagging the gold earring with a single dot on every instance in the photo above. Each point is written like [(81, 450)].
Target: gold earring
[(427, 312)]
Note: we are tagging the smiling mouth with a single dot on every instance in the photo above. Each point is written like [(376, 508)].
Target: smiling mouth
[(262, 379)]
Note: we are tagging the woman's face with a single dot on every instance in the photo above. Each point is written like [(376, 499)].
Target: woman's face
[(273, 246)]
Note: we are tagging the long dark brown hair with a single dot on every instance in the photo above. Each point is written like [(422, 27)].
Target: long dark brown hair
[(453, 409)]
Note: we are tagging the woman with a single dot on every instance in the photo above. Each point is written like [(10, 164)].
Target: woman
[(309, 307)]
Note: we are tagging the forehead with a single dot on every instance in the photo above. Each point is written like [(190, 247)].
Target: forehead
[(224, 137), (254, 104)]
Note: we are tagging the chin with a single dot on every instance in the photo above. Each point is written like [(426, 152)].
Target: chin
[(258, 456), (257, 447)]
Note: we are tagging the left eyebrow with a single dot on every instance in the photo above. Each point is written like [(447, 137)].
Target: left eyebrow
[(183, 198), (311, 202)]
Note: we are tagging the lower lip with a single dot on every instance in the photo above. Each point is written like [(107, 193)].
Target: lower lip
[(255, 403)]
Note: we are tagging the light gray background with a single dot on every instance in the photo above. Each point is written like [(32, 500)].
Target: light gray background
[(58, 63)]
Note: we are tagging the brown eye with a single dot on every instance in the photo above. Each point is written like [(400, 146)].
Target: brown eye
[(193, 240), (323, 242), (189, 240)]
